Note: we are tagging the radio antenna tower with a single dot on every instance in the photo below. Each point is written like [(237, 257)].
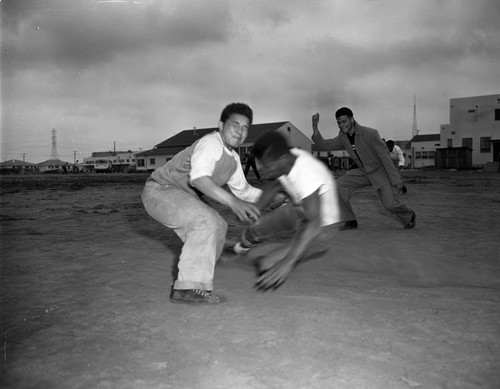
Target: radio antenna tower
[(414, 130), (54, 154)]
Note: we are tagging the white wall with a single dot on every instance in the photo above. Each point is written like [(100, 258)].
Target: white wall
[(473, 117), (159, 160), (423, 153), (295, 137)]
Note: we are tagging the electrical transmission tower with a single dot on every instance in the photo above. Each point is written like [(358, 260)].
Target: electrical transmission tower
[(414, 130), (54, 154)]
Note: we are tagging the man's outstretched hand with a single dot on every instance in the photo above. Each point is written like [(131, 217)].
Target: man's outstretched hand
[(273, 277), (246, 212)]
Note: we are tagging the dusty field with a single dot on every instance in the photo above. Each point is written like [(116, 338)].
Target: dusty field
[(86, 274)]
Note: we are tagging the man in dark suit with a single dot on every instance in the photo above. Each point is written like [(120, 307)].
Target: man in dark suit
[(374, 167)]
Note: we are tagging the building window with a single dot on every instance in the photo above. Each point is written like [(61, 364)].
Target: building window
[(152, 161), (450, 143), (140, 162), (418, 155), (467, 142), (424, 154), (431, 154), (485, 144), (497, 114)]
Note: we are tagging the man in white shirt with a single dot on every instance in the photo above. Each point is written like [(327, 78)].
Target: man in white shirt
[(312, 209), (396, 153), (398, 158)]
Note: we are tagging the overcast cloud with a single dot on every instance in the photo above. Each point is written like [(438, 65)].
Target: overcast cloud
[(138, 72)]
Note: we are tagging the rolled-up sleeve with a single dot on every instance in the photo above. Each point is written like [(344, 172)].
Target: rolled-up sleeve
[(327, 144)]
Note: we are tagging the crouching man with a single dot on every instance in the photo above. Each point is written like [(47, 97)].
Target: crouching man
[(173, 196), (309, 215)]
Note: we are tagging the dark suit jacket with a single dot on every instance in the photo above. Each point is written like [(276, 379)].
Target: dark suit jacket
[(374, 159)]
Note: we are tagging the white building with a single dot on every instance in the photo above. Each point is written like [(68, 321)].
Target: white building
[(423, 150), (53, 166), (121, 160), (474, 123)]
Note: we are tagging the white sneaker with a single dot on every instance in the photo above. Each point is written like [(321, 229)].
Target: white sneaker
[(240, 249)]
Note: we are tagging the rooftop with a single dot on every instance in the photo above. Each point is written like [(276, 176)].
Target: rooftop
[(426, 138), (187, 137)]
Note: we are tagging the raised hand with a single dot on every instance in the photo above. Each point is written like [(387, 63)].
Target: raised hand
[(315, 120)]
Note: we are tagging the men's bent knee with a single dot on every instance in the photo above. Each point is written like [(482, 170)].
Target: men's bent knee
[(211, 221), (222, 226)]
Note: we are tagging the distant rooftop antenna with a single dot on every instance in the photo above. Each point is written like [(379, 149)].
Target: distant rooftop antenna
[(414, 130), (54, 154)]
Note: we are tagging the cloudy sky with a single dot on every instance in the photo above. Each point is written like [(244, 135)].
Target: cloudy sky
[(137, 72)]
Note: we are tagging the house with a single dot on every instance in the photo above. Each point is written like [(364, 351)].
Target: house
[(474, 124), (164, 151), (423, 150), (16, 166), (53, 166)]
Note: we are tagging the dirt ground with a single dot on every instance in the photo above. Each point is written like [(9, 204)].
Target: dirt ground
[(86, 275)]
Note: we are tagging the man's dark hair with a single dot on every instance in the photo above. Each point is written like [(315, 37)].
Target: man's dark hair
[(239, 108), (271, 143), (344, 111), (390, 142)]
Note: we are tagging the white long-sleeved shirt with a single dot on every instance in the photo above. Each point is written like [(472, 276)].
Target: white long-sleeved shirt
[(397, 155)]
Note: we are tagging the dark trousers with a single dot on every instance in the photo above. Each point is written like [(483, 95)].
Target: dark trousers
[(347, 185), (254, 167), (285, 218)]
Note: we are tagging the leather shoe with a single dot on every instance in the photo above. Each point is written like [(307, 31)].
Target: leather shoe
[(349, 225), (413, 219)]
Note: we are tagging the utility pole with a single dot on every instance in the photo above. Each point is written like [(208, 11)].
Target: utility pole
[(24, 157), (74, 156)]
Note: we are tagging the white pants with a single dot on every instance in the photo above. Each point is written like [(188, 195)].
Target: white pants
[(199, 226)]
